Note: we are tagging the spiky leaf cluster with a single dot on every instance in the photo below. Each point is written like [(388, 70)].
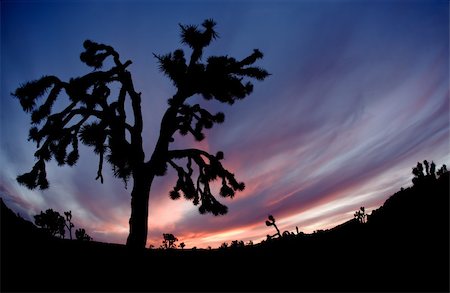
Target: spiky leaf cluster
[(30, 92), (94, 134), (221, 78), (36, 177), (95, 54), (120, 158), (224, 78), (209, 169), (196, 39), (174, 66)]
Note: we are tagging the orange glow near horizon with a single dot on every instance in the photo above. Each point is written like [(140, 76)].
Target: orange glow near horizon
[(332, 210)]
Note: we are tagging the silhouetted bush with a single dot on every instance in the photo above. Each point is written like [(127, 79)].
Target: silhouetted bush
[(51, 222), (68, 222), (81, 235)]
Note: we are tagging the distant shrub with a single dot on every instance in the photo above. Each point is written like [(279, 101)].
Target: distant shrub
[(237, 243), (81, 235), (51, 222)]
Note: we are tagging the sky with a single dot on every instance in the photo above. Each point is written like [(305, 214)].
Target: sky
[(358, 94)]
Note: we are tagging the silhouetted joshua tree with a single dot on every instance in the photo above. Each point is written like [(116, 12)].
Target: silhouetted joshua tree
[(271, 222), (182, 245), (81, 235), (169, 241), (51, 222), (360, 215), (430, 170), (68, 222), (99, 117)]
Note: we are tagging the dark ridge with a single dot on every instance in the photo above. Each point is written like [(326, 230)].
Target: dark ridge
[(403, 247)]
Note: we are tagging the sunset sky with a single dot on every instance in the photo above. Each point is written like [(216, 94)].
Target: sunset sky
[(359, 93)]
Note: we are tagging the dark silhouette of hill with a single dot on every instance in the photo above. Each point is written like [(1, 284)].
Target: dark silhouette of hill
[(404, 246)]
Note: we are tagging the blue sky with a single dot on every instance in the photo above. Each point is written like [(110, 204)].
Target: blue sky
[(358, 95)]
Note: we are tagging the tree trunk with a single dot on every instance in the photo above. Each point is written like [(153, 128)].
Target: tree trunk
[(143, 177), (137, 238)]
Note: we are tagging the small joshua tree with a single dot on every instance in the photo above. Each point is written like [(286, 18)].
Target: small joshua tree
[(182, 245), (68, 222), (271, 222), (169, 241), (360, 215)]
